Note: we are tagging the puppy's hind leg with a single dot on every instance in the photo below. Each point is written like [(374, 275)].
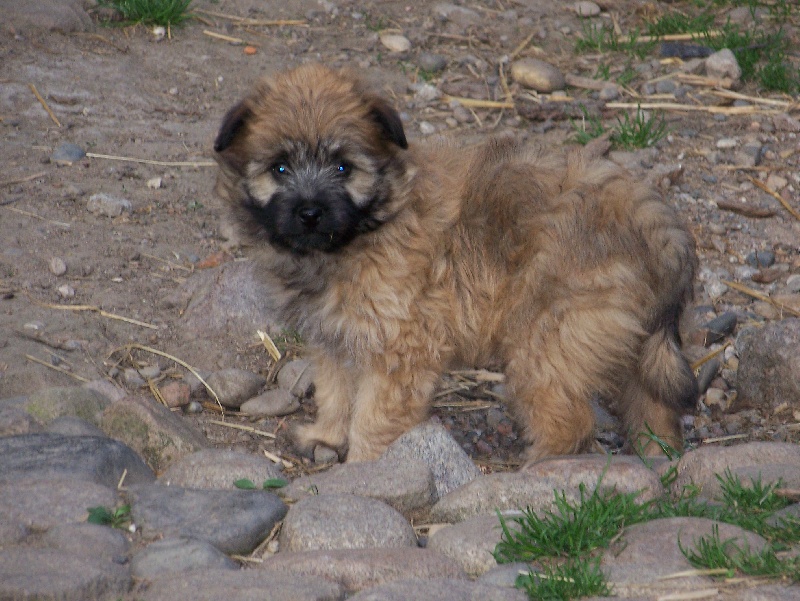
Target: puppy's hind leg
[(571, 354), (334, 394)]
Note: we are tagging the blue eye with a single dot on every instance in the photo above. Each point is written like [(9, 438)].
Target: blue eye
[(280, 169), (343, 169)]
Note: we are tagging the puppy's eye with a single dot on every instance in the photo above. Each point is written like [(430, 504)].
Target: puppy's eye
[(280, 169), (343, 169)]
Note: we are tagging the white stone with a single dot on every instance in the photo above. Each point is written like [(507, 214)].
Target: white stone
[(586, 9), (426, 129), (57, 266), (107, 205), (723, 64), (154, 183), (395, 42), (726, 143), (66, 291)]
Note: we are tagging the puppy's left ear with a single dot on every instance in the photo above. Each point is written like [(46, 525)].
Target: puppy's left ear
[(388, 121)]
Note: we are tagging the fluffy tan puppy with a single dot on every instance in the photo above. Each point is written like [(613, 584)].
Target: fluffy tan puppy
[(395, 261)]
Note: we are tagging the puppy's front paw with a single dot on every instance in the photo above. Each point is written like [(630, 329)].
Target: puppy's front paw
[(308, 436)]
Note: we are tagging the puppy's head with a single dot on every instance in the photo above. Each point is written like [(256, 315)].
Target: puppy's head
[(312, 158)]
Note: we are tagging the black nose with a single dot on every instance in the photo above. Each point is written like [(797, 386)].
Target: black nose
[(310, 215)]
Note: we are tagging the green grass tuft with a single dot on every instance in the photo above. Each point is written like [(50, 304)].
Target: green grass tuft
[(572, 529), (572, 579), (567, 539), (713, 553), (680, 23), (588, 128), (639, 132), (151, 12)]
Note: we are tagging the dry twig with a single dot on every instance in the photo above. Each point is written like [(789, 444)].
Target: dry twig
[(93, 309), (148, 349), (112, 157), (245, 21), (674, 106), (44, 104), (775, 195), (755, 294), (224, 38), (22, 180), (56, 368), (249, 429), (483, 104)]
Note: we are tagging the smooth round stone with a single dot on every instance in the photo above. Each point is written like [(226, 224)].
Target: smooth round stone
[(726, 143), (432, 63), (57, 266), (760, 258), (272, 403), (395, 42), (608, 93), (539, 75), (67, 154), (586, 9)]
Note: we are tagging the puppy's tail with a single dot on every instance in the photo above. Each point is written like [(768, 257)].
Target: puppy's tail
[(664, 370)]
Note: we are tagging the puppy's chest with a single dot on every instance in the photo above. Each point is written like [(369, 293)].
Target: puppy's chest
[(368, 309)]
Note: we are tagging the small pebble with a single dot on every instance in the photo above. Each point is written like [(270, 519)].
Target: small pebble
[(395, 42), (760, 258), (57, 266), (666, 86), (586, 9), (715, 398), (324, 455), (107, 205), (723, 64), (426, 128), (272, 403), (608, 93), (159, 32), (539, 75), (793, 283), (176, 394), (725, 143), (132, 378), (425, 92), (432, 63), (193, 407), (720, 327), (785, 122), (297, 377), (150, 372), (67, 154), (776, 182), (66, 291)]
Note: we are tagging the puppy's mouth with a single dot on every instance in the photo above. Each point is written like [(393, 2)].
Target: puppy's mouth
[(306, 225)]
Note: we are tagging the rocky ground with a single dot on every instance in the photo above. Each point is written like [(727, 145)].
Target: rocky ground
[(119, 288)]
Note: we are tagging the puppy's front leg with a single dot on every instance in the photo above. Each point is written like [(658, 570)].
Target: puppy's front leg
[(334, 393), (388, 403)]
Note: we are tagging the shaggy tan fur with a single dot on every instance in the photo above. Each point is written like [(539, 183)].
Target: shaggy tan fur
[(569, 275)]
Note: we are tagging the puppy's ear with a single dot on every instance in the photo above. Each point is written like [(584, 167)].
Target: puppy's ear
[(230, 153), (388, 121), (232, 125)]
